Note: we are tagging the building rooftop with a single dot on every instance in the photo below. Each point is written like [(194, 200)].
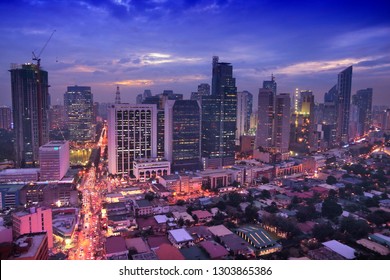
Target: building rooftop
[(161, 219), (143, 203), (194, 253), (199, 231), (180, 235), (213, 249), (19, 171), (115, 244), (202, 214), (219, 230), (157, 241), (341, 249), (138, 244), (11, 187), (29, 244), (373, 246), (168, 252), (171, 177), (256, 236), (234, 242)]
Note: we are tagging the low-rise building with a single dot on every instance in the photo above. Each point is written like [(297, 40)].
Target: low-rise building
[(115, 248), (31, 246), (214, 250), (144, 169), (180, 237), (23, 175), (143, 207), (203, 216)]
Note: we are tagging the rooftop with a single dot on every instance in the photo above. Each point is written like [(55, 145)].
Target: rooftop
[(115, 244), (29, 244), (194, 253), (341, 249), (202, 214), (138, 244), (180, 235), (256, 236), (143, 203), (157, 241), (168, 252), (214, 249), (219, 230)]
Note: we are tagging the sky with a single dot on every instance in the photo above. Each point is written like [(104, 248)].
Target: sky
[(169, 44)]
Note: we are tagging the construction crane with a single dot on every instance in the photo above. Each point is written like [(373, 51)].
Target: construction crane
[(38, 57), (40, 112)]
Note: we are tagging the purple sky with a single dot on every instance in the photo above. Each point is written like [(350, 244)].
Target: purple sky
[(162, 44)]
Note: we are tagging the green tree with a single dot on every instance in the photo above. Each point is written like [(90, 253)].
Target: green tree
[(251, 213), (331, 209), (234, 199), (331, 180), (323, 232), (356, 228)]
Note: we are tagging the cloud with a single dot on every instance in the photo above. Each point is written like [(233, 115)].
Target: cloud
[(358, 37)]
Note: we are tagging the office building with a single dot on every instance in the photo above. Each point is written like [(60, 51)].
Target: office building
[(78, 101), (30, 104), (54, 160), (31, 246), (203, 90), (117, 96), (244, 111), (219, 116), (282, 122), (363, 101), (343, 101), (182, 134), (5, 118), (265, 127), (132, 134), (33, 220)]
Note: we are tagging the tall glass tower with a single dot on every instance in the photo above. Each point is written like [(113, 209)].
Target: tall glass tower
[(219, 116), (344, 83)]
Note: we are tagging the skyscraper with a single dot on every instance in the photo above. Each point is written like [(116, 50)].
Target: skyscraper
[(30, 104), (265, 127), (78, 101), (132, 134), (244, 111), (219, 117), (5, 118), (117, 96), (182, 134), (54, 160), (271, 85), (282, 122), (203, 90), (363, 100), (344, 82)]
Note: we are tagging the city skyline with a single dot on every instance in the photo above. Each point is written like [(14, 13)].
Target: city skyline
[(161, 45)]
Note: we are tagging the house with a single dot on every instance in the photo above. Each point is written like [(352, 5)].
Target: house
[(180, 237), (199, 233), (168, 252), (143, 207), (183, 215), (236, 244), (219, 230), (214, 250), (194, 253), (137, 244), (155, 242), (115, 248), (341, 249), (203, 216)]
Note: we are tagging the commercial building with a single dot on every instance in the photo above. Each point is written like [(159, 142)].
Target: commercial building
[(5, 118), (31, 246), (78, 101), (132, 134), (54, 160), (363, 101), (182, 134), (10, 195), (244, 112), (149, 168), (30, 104), (219, 117), (19, 175), (343, 102), (33, 221)]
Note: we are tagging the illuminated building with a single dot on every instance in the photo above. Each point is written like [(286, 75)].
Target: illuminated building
[(78, 102), (30, 103), (54, 160), (219, 115), (182, 134), (132, 134), (363, 100), (343, 103)]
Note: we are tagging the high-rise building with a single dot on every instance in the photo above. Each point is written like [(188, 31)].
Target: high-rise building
[(363, 100), (265, 127), (219, 115), (132, 134), (30, 104), (78, 101), (282, 122), (203, 90), (303, 128), (57, 117), (5, 118), (182, 134), (54, 160), (244, 111), (35, 220), (344, 83), (271, 85)]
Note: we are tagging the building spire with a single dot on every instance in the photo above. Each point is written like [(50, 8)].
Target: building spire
[(117, 96)]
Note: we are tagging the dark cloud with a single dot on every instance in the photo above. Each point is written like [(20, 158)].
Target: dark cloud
[(376, 62)]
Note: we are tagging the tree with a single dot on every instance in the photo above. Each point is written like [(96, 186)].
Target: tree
[(379, 217), (305, 213), (265, 194), (356, 228), (331, 209), (251, 213), (331, 180), (323, 232), (221, 205), (150, 196), (235, 199), (180, 202)]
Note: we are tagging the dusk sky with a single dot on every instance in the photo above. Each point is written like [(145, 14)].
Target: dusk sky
[(162, 44)]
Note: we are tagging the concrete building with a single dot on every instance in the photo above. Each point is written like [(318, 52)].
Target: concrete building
[(10, 195), (180, 237), (54, 160), (5, 118), (343, 101), (244, 112), (31, 246), (25, 175), (132, 134), (36, 220), (151, 168)]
